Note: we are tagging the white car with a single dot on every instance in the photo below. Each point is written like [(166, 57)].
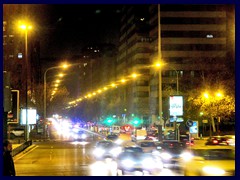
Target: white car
[(209, 161), (17, 132)]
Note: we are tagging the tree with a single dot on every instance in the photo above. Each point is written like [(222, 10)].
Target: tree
[(212, 104)]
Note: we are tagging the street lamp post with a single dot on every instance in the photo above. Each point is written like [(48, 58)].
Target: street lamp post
[(160, 76), (26, 28)]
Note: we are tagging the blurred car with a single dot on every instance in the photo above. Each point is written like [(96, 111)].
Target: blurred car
[(80, 135), (170, 152), (134, 161), (230, 139), (106, 149), (209, 161), (147, 145), (217, 140), (153, 137), (17, 132), (113, 137), (185, 139)]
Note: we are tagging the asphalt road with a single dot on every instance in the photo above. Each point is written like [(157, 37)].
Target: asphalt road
[(55, 159)]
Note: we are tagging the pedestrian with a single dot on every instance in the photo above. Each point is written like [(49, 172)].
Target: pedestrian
[(8, 164)]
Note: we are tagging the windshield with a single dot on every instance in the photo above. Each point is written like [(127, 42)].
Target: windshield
[(147, 144), (105, 144)]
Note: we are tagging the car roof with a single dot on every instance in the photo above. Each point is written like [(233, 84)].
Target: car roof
[(145, 141)]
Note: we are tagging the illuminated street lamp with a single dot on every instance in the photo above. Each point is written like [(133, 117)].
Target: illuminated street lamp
[(45, 86), (64, 66), (25, 28)]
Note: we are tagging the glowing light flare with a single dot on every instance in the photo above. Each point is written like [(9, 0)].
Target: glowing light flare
[(206, 95), (123, 80), (134, 75)]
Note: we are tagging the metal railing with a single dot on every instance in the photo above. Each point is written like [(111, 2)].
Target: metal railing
[(21, 147)]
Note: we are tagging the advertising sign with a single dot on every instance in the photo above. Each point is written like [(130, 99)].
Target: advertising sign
[(116, 129), (32, 116), (176, 105), (194, 128)]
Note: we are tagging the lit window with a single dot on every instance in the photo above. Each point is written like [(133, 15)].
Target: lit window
[(209, 36)]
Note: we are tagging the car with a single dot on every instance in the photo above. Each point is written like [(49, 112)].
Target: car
[(147, 145), (106, 149), (170, 152), (17, 132), (80, 135), (230, 139), (217, 140), (134, 161), (113, 137), (185, 139), (153, 137), (209, 161)]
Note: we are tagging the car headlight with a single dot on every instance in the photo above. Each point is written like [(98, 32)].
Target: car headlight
[(213, 171), (84, 136), (186, 156), (149, 163), (128, 163), (165, 156), (118, 141), (98, 152), (116, 151)]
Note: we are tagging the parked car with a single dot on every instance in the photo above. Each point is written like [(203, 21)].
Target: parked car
[(209, 161), (134, 161), (17, 132)]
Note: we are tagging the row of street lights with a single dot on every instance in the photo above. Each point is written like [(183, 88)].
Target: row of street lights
[(64, 66)]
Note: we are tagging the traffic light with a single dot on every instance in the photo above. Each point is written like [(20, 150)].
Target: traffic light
[(136, 121), (109, 121)]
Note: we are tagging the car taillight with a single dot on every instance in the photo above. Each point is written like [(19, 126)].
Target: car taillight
[(215, 141)]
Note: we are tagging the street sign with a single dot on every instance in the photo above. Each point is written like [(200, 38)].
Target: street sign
[(189, 123), (205, 121)]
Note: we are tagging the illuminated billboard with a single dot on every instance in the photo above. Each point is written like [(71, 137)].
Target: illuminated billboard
[(194, 128), (32, 116), (176, 105)]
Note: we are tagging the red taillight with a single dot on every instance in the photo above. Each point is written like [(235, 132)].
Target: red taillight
[(215, 141)]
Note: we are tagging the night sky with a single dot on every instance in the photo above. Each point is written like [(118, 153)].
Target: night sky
[(65, 29)]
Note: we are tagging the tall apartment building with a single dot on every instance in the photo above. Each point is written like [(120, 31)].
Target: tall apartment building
[(14, 53), (134, 54), (195, 40)]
